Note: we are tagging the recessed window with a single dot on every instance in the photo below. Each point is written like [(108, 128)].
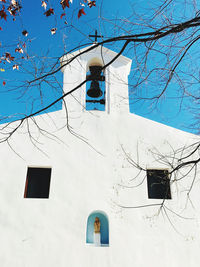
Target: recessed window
[(158, 184), (37, 183)]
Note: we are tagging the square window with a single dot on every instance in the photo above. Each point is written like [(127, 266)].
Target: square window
[(37, 183), (158, 183)]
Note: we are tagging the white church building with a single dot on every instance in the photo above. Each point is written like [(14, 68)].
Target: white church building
[(92, 185)]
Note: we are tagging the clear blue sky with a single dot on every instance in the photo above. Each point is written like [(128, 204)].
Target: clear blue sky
[(109, 18)]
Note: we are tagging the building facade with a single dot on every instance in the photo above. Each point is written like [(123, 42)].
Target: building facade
[(94, 159)]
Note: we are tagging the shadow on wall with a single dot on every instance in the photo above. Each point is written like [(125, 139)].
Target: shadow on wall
[(104, 228)]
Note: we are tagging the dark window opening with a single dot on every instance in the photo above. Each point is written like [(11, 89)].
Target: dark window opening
[(158, 183), (37, 183)]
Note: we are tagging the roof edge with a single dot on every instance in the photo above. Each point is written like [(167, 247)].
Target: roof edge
[(98, 48)]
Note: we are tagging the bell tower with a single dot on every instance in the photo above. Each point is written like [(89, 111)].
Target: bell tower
[(102, 89)]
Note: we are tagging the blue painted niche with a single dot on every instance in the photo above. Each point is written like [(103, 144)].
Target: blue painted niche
[(104, 227)]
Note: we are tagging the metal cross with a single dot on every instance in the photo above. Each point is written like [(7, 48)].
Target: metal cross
[(96, 36)]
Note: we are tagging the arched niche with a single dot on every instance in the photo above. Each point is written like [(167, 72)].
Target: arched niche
[(95, 61), (95, 85), (104, 228)]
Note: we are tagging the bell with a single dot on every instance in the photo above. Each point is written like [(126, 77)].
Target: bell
[(95, 72), (94, 90)]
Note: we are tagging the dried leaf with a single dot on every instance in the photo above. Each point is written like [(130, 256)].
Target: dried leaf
[(9, 57), (44, 4), (3, 14), (49, 12), (25, 33), (13, 2), (14, 7), (53, 31), (16, 4), (91, 3), (10, 10), (20, 50), (64, 3), (16, 67), (81, 12), (62, 15)]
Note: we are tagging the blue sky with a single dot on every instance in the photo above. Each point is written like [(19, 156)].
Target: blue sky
[(110, 18)]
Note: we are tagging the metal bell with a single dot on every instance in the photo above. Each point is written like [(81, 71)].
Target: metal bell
[(95, 72), (94, 90)]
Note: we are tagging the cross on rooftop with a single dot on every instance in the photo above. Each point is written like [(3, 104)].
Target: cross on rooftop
[(96, 36)]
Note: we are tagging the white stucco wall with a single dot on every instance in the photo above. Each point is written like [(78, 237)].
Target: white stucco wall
[(90, 172)]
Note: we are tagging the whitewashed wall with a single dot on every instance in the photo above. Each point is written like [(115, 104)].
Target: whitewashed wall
[(89, 173)]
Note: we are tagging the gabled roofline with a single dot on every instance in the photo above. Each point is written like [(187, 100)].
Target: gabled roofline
[(99, 48)]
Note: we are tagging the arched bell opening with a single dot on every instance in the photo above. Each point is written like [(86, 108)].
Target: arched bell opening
[(97, 229), (95, 86)]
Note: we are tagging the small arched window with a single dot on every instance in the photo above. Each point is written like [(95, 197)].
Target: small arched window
[(95, 86), (97, 229)]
